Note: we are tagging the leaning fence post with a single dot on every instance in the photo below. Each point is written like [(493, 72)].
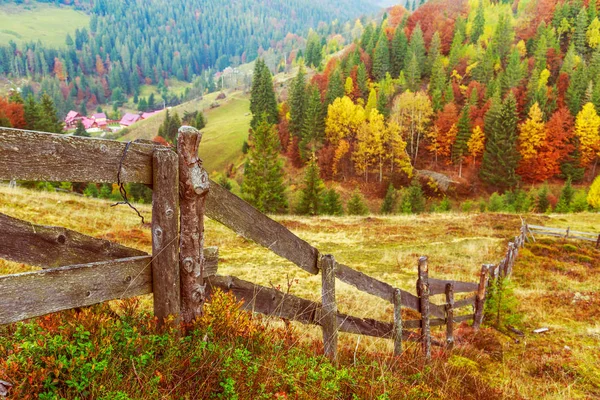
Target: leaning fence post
[(598, 242), (194, 184), (423, 293), (397, 322), (480, 297), (450, 315), (165, 249), (329, 323)]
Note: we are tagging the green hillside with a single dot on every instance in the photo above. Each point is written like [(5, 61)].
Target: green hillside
[(225, 132), (47, 23)]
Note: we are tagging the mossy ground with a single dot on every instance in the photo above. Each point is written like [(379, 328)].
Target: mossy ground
[(557, 285)]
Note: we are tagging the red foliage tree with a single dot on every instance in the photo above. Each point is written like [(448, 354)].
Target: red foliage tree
[(13, 112), (437, 16), (555, 149)]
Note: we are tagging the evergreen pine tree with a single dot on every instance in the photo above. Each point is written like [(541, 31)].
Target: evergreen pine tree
[(417, 45), (262, 96), (413, 74), (381, 60), (297, 103), (313, 127), (335, 87), (200, 121), (356, 205), (435, 52), (389, 201), (543, 202), (362, 81), (413, 201), (80, 131), (579, 37), (567, 193), (312, 190), (460, 149), (48, 120), (501, 157), (263, 185), (398, 53), (478, 23), (32, 112), (332, 204)]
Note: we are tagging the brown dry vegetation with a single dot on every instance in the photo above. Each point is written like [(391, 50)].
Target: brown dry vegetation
[(557, 285)]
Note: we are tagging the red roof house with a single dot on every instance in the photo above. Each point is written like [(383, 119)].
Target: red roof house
[(72, 118), (129, 119)]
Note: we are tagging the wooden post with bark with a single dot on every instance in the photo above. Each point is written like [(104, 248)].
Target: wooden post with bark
[(165, 248), (329, 321), (194, 186), (450, 316), (423, 293), (397, 322), (480, 297), (598, 242)]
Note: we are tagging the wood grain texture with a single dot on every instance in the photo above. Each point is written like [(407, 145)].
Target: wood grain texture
[(449, 316), (165, 246), (480, 297), (423, 292), (398, 322), (52, 247), (328, 307), (245, 220), (38, 156), (469, 301), (193, 187), (33, 294), (438, 286)]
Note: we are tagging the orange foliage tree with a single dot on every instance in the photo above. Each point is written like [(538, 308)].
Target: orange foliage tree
[(13, 112)]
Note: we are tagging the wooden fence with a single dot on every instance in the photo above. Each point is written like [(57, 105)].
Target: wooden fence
[(563, 233), (80, 270)]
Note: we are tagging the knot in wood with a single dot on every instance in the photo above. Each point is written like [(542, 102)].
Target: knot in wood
[(62, 239), (200, 180), (169, 213), (198, 293), (188, 264)]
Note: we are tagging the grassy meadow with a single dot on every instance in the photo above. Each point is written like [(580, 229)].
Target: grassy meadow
[(38, 21), (556, 284)]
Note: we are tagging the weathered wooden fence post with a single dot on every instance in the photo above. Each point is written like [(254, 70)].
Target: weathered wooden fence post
[(329, 321), (423, 294), (450, 316), (397, 322), (480, 297), (194, 186), (165, 248), (598, 242)]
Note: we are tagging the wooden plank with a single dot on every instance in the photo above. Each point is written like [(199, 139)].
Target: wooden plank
[(211, 261), (38, 156), (438, 286), (423, 292), (193, 185), (450, 316), (469, 301), (33, 294), (329, 323), (165, 247), (275, 303), (52, 247), (245, 220), (368, 284), (397, 322), (480, 297)]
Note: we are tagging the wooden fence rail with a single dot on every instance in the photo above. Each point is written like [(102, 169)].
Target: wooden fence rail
[(564, 233), (180, 272)]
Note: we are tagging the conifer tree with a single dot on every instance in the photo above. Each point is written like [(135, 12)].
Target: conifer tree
[(460, 148), (297, 102), (435, 52), (262, 96), (413, 201), (389, 201), (579, 37), (500, 157), (31, 110), (335, 87), (312, 191), (332, 205), (543, 202), (356, 205), (47, 117), (567, 193), (413, 74), (398, 53), (362, 81), (417, 45), (80, 131), (263, 185), (313, 127), (381, 60), (200, 121), (478, 23)]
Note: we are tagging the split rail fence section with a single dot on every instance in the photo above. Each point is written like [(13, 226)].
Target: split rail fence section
[(80, 270), (564, 233)]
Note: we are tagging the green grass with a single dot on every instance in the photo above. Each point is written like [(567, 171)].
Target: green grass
[(225, 132), (37, 21)]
